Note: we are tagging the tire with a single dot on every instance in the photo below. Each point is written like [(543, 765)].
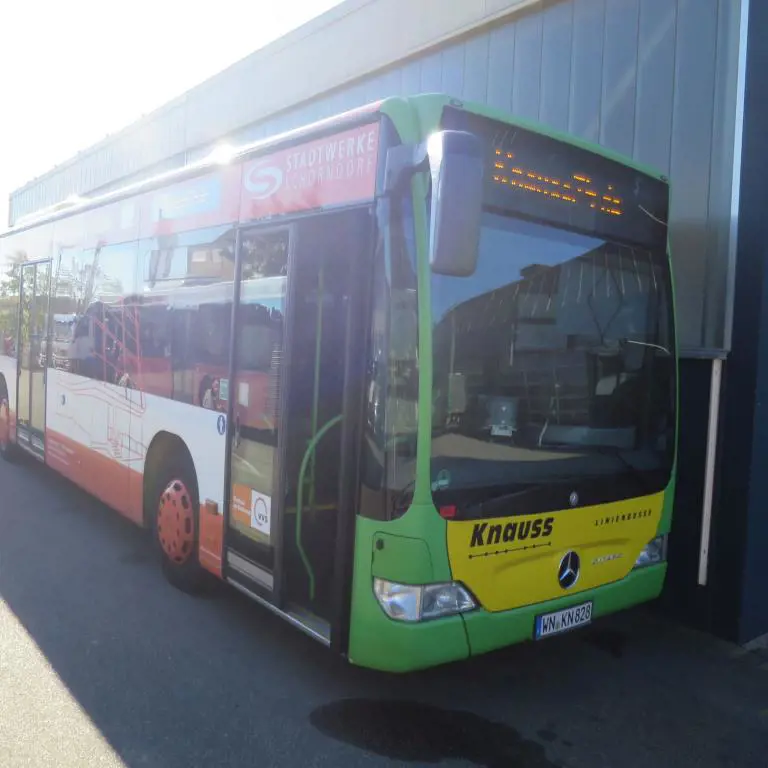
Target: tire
[(175, 508), (8, 450)]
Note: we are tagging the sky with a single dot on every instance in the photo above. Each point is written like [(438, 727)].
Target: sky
[(73, 72)]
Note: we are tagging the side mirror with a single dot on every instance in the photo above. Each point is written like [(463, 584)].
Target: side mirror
[(456, 160)]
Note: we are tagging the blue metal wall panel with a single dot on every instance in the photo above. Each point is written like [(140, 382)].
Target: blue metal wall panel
[(721, 259), (557, 43), (617, 113), (411, 77), (476, 69), (655, 86), (587, 68), (692, 116), (526, 75), (501, 63), (431, 73), (453, 70)]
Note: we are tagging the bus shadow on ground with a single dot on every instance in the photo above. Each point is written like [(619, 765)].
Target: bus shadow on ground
[(172, 680)]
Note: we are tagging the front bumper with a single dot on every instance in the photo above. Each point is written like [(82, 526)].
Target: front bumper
[(488, 631), (378, 642)]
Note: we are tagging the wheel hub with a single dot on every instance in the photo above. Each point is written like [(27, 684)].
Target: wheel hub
[(175, 522)]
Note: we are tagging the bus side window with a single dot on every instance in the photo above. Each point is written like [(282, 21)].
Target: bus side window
[(257, 338), (392, 387), (187, 279), (110, 278), (211, 353)]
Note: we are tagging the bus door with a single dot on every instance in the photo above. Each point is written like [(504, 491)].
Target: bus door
[(32, 365), (295, 397), (254, 512)]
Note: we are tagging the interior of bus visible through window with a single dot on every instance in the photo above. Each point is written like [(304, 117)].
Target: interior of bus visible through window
[(553, 362)]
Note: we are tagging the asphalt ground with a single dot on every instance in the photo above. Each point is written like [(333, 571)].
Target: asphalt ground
[(103, 663)]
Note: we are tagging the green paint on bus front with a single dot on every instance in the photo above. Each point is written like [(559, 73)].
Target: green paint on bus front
[(412, 549)]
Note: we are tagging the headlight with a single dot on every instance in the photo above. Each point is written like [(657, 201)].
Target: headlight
[(407, 602), (654, 552)]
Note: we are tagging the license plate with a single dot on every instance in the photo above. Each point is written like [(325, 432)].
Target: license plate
[(501, 431), (549, 624)]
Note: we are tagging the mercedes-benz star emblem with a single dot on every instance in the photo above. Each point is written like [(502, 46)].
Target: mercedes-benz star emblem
[(568, 574)]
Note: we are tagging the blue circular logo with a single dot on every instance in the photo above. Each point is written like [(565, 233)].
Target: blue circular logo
[(221, 424)]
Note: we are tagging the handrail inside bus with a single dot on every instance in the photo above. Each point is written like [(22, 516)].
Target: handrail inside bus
[(316, 388), (300, 499)]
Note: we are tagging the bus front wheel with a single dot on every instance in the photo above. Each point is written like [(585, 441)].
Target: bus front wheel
[(177, 524), (7, 447)]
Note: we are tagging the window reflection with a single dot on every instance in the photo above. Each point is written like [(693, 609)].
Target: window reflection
[(91, 324), (184, 315), (553, 356), (153, 315), (392, 387), (255, 391)]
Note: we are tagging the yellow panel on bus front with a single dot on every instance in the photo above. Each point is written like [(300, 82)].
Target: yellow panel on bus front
[(515, 561)]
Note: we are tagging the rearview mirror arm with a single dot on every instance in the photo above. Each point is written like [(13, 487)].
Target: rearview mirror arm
[(403, 162)]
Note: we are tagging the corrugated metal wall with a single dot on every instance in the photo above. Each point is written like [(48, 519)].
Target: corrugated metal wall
[(654, 79), (150, 146)]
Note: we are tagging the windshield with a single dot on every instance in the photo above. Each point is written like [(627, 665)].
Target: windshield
[(553, 371), (62, 330)]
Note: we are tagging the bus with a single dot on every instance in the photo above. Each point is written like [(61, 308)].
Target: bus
[(406, 377)]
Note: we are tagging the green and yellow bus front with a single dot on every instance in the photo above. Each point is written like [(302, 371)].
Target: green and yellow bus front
[(518, 467)]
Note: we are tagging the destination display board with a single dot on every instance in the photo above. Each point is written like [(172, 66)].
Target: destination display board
[(543, 178)]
